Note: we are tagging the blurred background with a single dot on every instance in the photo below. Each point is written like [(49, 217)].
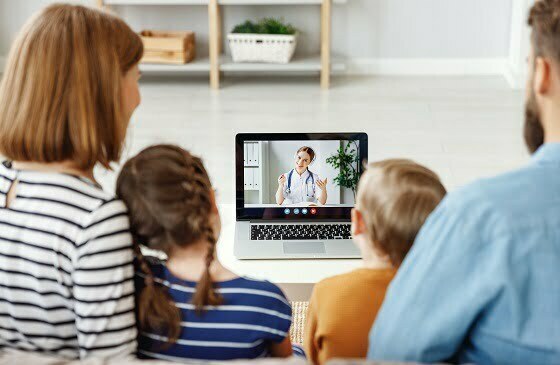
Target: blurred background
[(438, 81)]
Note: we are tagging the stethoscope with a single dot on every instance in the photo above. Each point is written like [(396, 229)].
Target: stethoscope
[(289, 189)]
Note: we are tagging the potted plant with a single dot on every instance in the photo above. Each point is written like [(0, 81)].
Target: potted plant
[(269, 40), (346, 162)]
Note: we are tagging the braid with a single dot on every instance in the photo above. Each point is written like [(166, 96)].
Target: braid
[(156, 310), (205, 293)]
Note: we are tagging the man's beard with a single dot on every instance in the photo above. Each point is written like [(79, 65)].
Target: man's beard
[(533, 130)]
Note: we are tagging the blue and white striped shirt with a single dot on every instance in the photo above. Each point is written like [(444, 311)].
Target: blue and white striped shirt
[(66, 273), (253, 315)]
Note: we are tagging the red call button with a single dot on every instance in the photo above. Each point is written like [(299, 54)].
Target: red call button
[(313, 211)]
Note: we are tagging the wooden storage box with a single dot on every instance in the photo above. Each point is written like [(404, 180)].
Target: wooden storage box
[(168, 47)]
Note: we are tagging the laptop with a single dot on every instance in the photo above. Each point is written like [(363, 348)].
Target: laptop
[(295, 193)]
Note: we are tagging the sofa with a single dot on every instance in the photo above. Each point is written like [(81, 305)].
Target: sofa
[(16, 357)]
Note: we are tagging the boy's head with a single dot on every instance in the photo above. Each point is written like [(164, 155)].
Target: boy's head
[(394, 199)]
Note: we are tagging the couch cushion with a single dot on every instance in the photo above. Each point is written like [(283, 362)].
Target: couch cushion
[(16, 357)]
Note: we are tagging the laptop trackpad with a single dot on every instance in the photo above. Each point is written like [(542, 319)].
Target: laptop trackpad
[(304, 248)]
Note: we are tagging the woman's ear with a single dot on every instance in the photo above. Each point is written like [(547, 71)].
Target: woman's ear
[(213, 201)]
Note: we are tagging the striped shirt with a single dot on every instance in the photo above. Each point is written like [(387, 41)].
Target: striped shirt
[(66, 274), (253, 315)]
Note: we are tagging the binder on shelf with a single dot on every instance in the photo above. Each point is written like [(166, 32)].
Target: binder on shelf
[(256, 153), (256, 180), (249, 178), (245, 154), (246, 178), (250, 154)]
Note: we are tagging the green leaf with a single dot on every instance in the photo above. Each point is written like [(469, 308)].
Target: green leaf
[(265, 26), (346, 161)]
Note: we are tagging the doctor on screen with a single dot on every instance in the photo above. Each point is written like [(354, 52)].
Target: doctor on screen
[(300, 185)]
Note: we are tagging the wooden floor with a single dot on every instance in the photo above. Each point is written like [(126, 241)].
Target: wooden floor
[(463, 128)]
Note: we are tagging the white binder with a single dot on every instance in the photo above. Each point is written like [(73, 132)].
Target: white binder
[(256, 180), (256, 153)]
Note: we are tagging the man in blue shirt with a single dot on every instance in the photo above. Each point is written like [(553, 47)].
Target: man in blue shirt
[(482, 281)]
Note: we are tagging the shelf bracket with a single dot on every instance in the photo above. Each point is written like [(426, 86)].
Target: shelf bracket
[(101, 5), (214, 40), (326, 8)]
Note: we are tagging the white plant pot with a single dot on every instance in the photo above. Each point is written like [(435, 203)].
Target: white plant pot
[(270, 48)]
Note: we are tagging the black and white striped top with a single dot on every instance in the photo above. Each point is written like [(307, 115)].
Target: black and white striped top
[(66, 275)]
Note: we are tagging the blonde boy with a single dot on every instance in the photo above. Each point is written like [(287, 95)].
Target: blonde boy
[(394, 199)]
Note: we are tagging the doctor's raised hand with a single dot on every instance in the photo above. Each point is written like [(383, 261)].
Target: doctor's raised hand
[(279, 192), (322, 184), (281, 181)]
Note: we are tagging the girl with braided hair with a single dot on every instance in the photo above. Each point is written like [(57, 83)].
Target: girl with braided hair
[(190, 306)]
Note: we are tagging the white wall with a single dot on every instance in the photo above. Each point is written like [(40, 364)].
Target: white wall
[(425, 29), (516, 72), (14, 13), (362, 29)]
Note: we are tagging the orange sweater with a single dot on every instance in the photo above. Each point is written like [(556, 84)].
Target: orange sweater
[(341, 312)]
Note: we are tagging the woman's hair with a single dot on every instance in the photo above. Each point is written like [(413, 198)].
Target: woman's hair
[(309, 151), (60, 97), (170, 200), (395, 197)]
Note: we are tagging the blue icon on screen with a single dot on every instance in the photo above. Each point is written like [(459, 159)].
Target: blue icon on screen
[(286, 211), (304, 211), (296, 211)]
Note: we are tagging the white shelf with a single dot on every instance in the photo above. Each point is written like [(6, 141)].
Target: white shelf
[(197, 65), (276, 2), (298, 64), (155, 2), (255, 154), (305, 64), (221, 2)]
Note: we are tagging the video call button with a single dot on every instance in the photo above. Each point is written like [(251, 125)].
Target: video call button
[(286, 211)]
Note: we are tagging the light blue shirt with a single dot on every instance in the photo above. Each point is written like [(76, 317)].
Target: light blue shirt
[(482, 281)]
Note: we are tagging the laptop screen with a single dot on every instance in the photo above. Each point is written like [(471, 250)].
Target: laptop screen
[(298, 176)]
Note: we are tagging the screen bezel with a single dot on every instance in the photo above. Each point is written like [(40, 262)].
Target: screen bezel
[(323, 213)]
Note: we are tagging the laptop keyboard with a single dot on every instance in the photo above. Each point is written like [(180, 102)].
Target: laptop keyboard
[(261, 232)]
